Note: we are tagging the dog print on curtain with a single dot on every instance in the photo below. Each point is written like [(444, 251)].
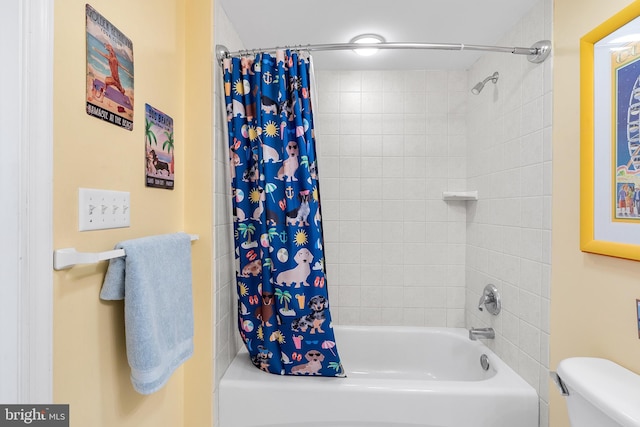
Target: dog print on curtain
[(283, 306)]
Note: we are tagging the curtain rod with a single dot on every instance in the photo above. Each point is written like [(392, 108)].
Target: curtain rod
[(537, 53)]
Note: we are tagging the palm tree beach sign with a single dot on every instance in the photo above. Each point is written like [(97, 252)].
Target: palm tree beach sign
[(159, 160)]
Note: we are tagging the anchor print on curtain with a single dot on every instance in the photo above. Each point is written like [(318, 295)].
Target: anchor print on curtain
[(283, 306)]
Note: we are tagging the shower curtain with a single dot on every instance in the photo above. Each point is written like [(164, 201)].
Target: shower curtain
[(283, 306)]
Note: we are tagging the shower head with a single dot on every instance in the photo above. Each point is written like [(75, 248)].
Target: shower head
[(478, 88)]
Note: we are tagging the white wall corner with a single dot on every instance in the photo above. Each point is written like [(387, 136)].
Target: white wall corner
[(36, 194)]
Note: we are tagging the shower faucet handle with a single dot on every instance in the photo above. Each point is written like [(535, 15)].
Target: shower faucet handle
[(490, 299)]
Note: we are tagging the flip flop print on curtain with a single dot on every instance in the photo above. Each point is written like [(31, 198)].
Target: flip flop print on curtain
[(283, 306)]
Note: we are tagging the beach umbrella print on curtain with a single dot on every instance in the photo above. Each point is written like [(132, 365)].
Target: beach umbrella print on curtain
[(283, 306)]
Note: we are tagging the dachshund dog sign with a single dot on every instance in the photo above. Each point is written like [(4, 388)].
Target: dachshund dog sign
[(159, 160)]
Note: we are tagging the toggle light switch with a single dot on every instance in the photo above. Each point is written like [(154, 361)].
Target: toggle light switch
[(102, 209)]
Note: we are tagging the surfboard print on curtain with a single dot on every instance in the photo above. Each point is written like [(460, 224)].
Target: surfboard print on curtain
[(283, 306)]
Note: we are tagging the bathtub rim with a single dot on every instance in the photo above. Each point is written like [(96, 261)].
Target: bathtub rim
[(505, 380)]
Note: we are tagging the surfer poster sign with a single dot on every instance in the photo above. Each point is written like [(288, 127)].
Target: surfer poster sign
[(109, 71), (610, 136)]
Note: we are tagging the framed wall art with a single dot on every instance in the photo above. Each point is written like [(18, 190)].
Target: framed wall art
[(159, 149), (610, 136), (109, 81)]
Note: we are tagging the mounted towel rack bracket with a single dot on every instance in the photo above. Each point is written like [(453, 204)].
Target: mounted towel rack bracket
[(68, 257)]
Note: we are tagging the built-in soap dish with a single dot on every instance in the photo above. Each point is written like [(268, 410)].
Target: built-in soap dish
[(460, 195)]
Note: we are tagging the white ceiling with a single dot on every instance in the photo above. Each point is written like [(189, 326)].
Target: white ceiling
[(265, 24)]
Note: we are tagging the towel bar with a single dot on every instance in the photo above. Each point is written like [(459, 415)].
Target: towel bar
[(68, 257)]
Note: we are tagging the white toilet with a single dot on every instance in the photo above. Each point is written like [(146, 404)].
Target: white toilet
[(601, 393)]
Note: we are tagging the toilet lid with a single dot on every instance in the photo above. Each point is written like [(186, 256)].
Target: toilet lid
[(606, 385)]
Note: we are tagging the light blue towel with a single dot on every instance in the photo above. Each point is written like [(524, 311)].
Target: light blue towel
[(154, 279)]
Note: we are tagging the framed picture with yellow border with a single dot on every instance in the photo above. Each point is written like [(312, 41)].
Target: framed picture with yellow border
[(610, 136)]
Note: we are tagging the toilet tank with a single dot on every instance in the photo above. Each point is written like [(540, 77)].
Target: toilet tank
[(601, 393)]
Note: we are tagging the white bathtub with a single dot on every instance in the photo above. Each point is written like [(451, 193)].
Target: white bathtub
[(396, 376)]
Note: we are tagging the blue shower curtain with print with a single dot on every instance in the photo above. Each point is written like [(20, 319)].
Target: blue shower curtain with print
[(283, 305)]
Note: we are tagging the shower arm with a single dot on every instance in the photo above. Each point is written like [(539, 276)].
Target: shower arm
[(494, 78), (537, 53)]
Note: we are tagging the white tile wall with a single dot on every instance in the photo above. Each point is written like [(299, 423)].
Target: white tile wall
[(225, 338), (389, 143), (509, 131)]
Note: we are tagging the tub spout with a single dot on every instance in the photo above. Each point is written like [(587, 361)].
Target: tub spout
[(485, 333)]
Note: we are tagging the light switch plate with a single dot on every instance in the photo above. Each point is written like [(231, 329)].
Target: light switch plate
[(102, 209)]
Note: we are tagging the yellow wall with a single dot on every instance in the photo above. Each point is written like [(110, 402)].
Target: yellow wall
[(199, 205), (593, 296), (90, 367)]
